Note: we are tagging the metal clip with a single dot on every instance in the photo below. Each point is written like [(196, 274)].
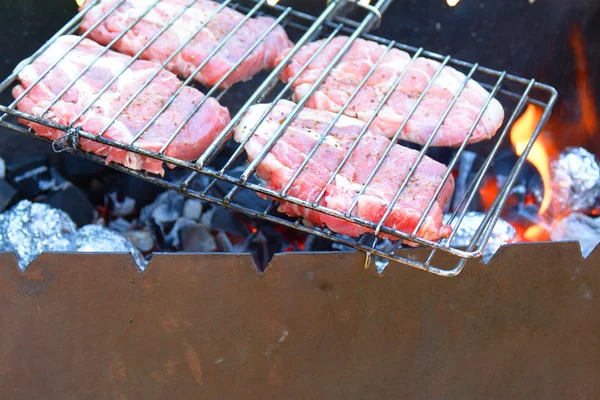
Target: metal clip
[(68, 142), (367, 6)]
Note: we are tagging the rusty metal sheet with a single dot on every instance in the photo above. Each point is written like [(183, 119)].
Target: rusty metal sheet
[(314, 325)]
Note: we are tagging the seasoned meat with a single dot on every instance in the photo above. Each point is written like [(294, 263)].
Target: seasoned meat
[(335, 91), (189, 144), (278, 167), (201, 45)]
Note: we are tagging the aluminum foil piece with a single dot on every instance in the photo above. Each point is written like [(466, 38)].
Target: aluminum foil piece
[(575, 182), (98, 239), (502, 233), (578, 227), (28, 229)]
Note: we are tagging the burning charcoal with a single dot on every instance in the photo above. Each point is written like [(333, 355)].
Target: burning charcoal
[(74, 202), (164, 211), (29, 229), (121, 208), (7, 194), (224, 244), (173, 238), (120, 225), (192, 209), (196, 239), (98, 239), (502, 233), (575, 182), (578, 227)]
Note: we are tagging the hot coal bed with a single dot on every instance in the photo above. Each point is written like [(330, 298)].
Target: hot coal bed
[(552, 41)]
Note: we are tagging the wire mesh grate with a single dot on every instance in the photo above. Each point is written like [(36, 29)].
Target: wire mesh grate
[(223, 163)]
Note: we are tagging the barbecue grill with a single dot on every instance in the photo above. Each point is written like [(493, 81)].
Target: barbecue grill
[(217, 163)]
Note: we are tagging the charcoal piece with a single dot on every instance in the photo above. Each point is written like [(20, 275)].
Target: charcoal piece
[(79, 169), (7, 195), (143, 192), (197, 239), (173, 238), (31, 175), (164, 211), (223, 220), (244, 197), (120, 225), (121, 207), (224, 245), (2, 168), (143, 239), (74, 202), (192, 209)]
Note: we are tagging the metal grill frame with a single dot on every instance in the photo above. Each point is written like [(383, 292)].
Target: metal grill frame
[(520, 90)]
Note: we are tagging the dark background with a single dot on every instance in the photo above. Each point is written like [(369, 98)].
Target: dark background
[(530, 40)]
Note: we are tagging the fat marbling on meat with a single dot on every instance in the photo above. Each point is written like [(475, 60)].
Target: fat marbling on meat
[(265, 56), (188, 145), (345, 77)]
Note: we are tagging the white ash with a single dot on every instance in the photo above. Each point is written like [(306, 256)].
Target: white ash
[(173, 238), (502, 233), (143, 239), (578, 227), (192, 209), (122, 208), (197, 239)]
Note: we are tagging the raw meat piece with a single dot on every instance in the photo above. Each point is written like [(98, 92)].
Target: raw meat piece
[(291, 149), (265, 56), (354, 66), (189, 144)]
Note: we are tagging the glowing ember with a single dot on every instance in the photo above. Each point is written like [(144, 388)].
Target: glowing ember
[(541, 152)]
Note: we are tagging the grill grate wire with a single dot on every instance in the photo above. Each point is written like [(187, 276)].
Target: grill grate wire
[(504, 86)]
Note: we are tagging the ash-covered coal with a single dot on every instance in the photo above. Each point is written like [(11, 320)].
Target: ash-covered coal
[(502, 233)]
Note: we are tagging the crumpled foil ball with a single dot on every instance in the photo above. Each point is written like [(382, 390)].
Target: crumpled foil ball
[(28, 229), (575, 182), (98, 239), (502, 233)]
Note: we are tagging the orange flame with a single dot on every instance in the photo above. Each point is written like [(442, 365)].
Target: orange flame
[(541, 152)]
